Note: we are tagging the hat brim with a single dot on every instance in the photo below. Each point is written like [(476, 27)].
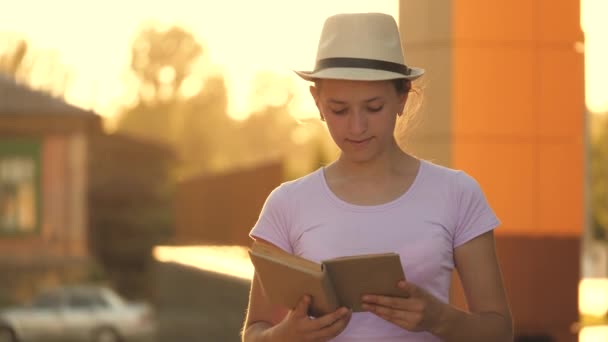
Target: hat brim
[(358, 74)]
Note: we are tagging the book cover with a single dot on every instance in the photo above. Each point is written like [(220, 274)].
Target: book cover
[(337, 282)]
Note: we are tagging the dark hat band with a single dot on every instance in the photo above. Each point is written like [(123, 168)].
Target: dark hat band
[(363, 63)]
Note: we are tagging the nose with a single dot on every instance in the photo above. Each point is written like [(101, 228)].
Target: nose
[(358, 123)]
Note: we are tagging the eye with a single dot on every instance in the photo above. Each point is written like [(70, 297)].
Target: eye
[(375, 109), (339, 111)]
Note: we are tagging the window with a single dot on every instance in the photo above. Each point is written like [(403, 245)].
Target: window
[(48, 301), (79, 300), (19, 186), (100, 301)]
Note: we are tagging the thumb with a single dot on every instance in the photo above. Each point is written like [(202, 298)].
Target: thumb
[(410, 289), (301, 308)]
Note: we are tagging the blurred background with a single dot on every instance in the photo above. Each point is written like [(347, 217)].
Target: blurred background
[(139, 140)]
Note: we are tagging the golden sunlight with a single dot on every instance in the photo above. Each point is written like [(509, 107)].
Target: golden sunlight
[(240, 38), (229, 260), (593, 296), (595, 26), (594, 334)]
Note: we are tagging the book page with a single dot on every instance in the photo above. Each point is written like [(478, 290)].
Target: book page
[(282, 256)]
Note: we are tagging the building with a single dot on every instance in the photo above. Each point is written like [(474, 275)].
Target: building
[(75, 201), (504, 100), (43, 189)]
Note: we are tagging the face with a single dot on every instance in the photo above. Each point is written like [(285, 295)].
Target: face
[(360, 115)]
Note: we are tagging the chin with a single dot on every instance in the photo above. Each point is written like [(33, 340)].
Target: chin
[(359, 158)]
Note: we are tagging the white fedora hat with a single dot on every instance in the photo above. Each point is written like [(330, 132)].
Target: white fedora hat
[(360, 46)]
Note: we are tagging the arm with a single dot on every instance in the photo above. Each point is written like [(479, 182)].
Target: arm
[(489, 318), (266, 322), (261, 315)]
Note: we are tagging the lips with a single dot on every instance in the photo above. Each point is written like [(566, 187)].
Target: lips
[(359, 142)]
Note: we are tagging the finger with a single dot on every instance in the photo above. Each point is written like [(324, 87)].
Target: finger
[(392, 302), (408, 320), (301, 308), (403, 304), (392, 312), (410, 289), (329, 319), (332, 330)]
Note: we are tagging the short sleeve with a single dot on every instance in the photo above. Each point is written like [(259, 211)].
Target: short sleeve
[(474, 215), (273, 222)]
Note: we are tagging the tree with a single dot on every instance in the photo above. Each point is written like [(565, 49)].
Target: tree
[(207, 134), (39, 69), (183, 102), (11, 61), (266, 132), (161, 60), (599, 178)]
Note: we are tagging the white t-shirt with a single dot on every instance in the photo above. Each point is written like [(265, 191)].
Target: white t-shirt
[(442, 209)]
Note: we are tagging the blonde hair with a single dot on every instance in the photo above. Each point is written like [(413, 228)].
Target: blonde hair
[(409, 119)]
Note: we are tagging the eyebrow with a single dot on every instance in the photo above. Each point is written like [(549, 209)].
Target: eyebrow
[(366, 101)]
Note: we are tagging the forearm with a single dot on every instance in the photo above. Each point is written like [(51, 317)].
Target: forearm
[(456, 326), (258, 332)]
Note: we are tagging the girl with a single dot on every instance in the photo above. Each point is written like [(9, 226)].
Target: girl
[(377, 198)]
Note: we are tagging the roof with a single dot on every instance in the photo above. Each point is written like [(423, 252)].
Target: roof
[(19, 99)]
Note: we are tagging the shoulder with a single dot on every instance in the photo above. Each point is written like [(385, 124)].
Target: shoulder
[(283, 202), (446, 174), (453, 180), (300, 186)]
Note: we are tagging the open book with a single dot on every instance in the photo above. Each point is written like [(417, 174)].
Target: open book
[(334, 283)]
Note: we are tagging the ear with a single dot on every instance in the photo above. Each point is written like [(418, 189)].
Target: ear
[(402, 101), (314, 91)]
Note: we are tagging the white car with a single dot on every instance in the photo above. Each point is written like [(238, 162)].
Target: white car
[(78, 313)]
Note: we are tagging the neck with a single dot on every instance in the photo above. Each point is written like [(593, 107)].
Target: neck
[(393, 162)]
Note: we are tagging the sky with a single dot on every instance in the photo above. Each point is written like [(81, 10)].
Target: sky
[(241, 37)]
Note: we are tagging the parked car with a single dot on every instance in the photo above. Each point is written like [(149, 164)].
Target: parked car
[(78, 313)]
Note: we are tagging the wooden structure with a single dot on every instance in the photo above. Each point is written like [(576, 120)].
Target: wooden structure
[(221, 209)]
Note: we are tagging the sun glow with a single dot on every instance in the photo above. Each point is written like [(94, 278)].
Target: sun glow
[(595, 26), (229, 260), (240, 38), (593, 296), (594, 334)]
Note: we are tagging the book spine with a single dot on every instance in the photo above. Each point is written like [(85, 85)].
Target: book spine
[(332, 298)]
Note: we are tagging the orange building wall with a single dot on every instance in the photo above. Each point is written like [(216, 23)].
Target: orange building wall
[(505, 102), (518, 110)]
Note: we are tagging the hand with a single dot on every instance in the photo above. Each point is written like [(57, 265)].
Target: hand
[(298, 326), (419, 311)]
